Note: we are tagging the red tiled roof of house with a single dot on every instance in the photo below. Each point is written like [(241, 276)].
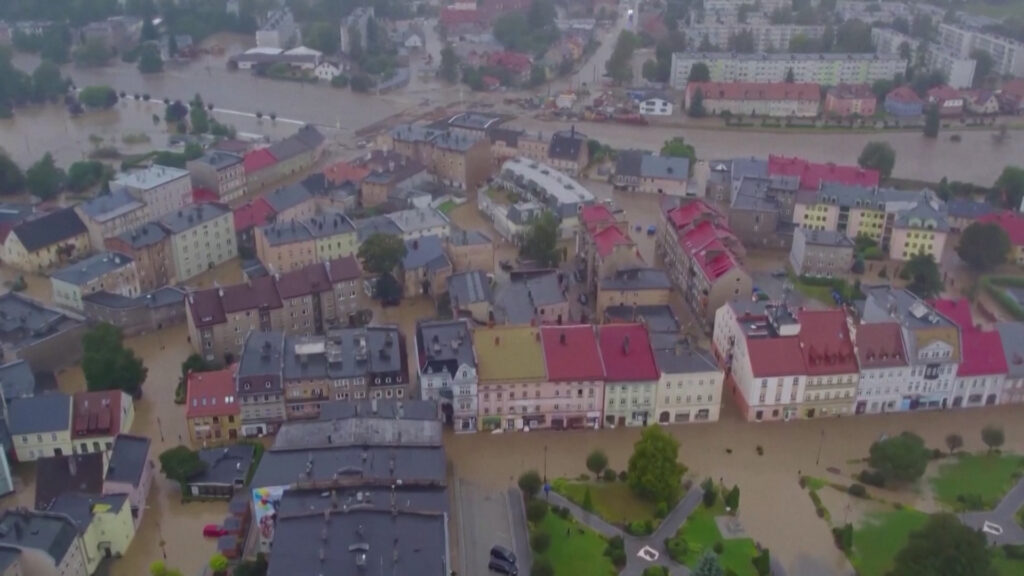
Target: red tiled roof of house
[(342, 172), (251, 214), (774, 91), (452, 16), (346, 268), (771, 357), (626, 352), (5, 229), (705, 247), (851, 91), (571, 353), (959, 311), (96, 413), (825, 343), (982, 354), (204, 196), (903, 94), (683, 216), (1014, 87), (593, 214), (515, 61), (880, 345), (606, 240), (944, 92), (812, 174), (256, 294), (1012, 222), (211, 394), (305, 281), (206, 307), (258, 160)]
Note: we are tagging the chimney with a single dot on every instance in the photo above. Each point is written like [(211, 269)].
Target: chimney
[(625, 345), (561, 338)]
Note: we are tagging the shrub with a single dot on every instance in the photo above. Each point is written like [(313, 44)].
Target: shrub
[(608, 475), (710, 493), (616, 543), (588, 500), (718, 547), (971, 501), (542, 567), (843, 537), (760, 450), (638, 528), (655, 571), (536, 510), (1014, 551), (677, 548), (872, 478), (857, 490), (530, 483), (540, 541), (816, 499), (617, 556), (623, 476), (562, 512), (937, 454), (661, 511), (820, 512)]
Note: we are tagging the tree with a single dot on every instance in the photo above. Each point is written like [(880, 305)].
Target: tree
[(790, 76), (449, 69), (382, 253), (538, 75), (44, 179), (878, 156), (588, 500), (158, 568), (149, 60), (650, 70), (11, 179), (678, 148), (181, 464), (541, 241), (619, 66), (219, 564), (194, 363), (828, 38), (256, 567), (763, 563), (732, 499), (92, 54), (530, 483), (900, 458), (84, 175), (881, 88), (954, 442), (47, 82), (97, 96), (696, 109), (355, 43), (708, 565), (654, 471), (742, 42), (945, 547), (176, 112), (983, 245), (923, 273), (699, 72), (597, 461), (931, 122), (198, 116), (854, 36), (1011, 186), (148, 28), (322, 36), (108, 365), (993, 437), (540, 541), (982, 68), (542, 567)]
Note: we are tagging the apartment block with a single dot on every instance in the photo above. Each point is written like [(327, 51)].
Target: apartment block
[(223, 173), (447, 370), (1007, 54), (820, 253), (110, 272), (109, 215), (689, 386), (290, 245), (163, 189), (454, 157), (150, 247), (959, 69), (470, 250), (782, 100), (826, 69), (201, 237), (259, 383), (768, 37), (631, 375), (47, 241)]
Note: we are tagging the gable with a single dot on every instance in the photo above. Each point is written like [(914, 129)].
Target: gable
[(936, 350)]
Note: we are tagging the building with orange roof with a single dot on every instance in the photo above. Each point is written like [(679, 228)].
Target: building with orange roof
[(98, 417), (211, 407), (777, 99), (850, 99)]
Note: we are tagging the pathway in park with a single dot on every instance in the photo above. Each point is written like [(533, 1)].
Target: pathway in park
[(1000, 524)]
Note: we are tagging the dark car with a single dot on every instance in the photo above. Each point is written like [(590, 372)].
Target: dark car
[(503, 567), (583, 299), (502, 553)]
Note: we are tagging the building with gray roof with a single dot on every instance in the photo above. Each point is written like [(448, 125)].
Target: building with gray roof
[(674, 354), (80, 507), (17, 380), (447, 366), (1012, 337), (376, 225), (10, 560), (226, 469), (642, 171), (425, 252), (191, 216), (141, 314), (419, 222), (49, 229), (56, 475), (42, 414), (368, 465), (377, 422), (657, 318), (470, 293), (44, 337), (924, 214), (149, 234), (518, 301), (634, 279), (92, 268), (821, 253), (148, 178), (287, 197), (128, 459), (259, 383), (101, 214), (52, 534)]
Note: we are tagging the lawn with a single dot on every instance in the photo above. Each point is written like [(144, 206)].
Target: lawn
[(701, 532), (613, 501), (572, 552), (1005, 566), (988, 476), (881, 536), (446, 207)]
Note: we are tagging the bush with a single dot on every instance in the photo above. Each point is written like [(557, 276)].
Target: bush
[(1014, 551), (710, 493), (857, 490), (872, 478), (655, 571), (843, 537), (616, 543), (536, 510), (820, 512), (971, 501), (661, 511), (718, 547), (542, 567), (530, 483), (540, 541), (937, 454), (609, 475), (562, 512), (760, 450), (677, 548), (623, 476), (638, 528)]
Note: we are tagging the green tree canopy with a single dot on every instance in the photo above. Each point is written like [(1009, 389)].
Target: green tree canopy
[(923, 273), (597, 461), (108, 365), (181, 464), (993, 436), (854, 36), (198, 116), (1010, 185), (541, 242), (449, 70), (530, 483), (654, 470), (150, 61), (878, 156), (983, 245), (381, 253), (92, 54), (44, 179), (708, 565), (97, 96), (12, 181), (85, 174), (900, 458), (696, 109), (323, 36), (984, 64), (619, 66), (699, 72), (678, 148), (944, 547), (47, 82)]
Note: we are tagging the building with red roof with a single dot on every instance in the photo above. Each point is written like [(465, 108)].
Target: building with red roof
[(850, 99), (702, 258), (884, 367), (949, 100), (812, 174), (631, 374), (204, 196), (516, 63), (957, 310), (211, 407), (97, 417), (777, 99), (604, 244), (571, 353), (1013, 224), (248, 217), (903, 102), (260, 168), (982, 372), (341, 172)]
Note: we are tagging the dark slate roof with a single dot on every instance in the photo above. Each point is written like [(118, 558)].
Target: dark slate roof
[(287, 149), (424, 251), (376, 225), (383, 345), (656, 318), (191, 216), (565, 145), (38, 414), (79, 507), (8, 556), (17, 380), (517, 301), (92, 268), (285, 467), (225, 465), (444, 345), (148, 234), (49, 229), (962, 208), (60, 474), (24, 321), (51, 533), (462, 237), (637, 279), (673, 356), (470, 287), (628, 162), (309, 136), (128, 459), (386, 409), (287, 197)]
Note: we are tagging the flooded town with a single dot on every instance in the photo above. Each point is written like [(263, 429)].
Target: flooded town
[(646, 288)]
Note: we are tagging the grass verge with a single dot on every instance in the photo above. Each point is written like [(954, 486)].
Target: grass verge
[(613, 501), (880, 537), (701, 533), (574, 549), (976, 481)]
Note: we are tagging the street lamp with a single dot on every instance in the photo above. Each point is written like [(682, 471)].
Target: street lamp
[(545, 464), (821, 442)]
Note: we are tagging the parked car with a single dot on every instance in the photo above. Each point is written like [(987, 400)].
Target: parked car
[(502, 567), (502, 553), (213, 531), (583, 299), (651, 230)]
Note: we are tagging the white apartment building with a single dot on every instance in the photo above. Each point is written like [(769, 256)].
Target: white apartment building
[(202, 236), (884, 367), (959, 70), (872, 12), (1007, 54), (278, 30), (767, 36), (109, 215), (826, 69), (887, 41), (164, 189), (447, 370), (656, 107), (690, 383)]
